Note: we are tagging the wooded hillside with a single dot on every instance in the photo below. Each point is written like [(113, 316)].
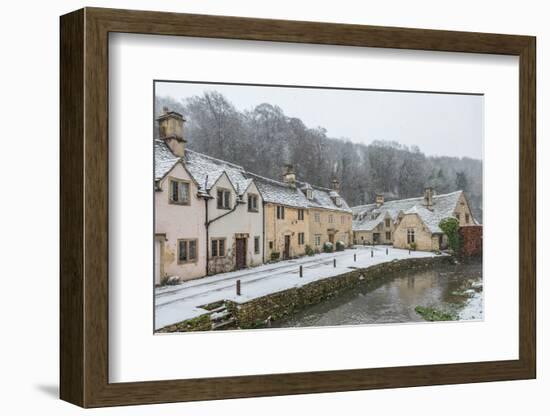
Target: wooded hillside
[(264, 139)]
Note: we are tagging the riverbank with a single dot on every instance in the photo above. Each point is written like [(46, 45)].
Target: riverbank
[(275, 293)]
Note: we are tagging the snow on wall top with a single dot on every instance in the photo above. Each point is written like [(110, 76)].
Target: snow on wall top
[(367, 217)]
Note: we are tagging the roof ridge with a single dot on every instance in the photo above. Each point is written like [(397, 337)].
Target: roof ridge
[(225, 162)]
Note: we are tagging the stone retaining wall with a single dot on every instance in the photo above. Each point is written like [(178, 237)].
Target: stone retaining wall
[(253, 314)]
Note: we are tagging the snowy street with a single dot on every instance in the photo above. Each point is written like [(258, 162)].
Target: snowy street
[(177, 303)]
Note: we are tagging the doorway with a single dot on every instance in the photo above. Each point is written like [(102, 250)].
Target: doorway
[(286, 252), (240, 253)]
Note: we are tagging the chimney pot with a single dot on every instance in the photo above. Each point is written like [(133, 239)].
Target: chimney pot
[(379, 200), (289, 176), (428, 196), (170, 125)]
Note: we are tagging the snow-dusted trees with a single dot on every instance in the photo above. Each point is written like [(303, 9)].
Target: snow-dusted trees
[(263, 139)]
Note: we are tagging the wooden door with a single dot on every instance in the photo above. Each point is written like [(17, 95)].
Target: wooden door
[(240, 253), (286, 253)]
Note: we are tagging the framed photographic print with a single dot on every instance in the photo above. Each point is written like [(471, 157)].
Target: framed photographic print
[(256, 207)]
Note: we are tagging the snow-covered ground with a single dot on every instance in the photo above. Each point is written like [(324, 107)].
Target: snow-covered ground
[(177, 303), (473, 308)]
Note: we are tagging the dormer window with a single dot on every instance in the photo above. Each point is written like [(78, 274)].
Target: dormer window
[(224, 198), (337, 201), (309, 194)]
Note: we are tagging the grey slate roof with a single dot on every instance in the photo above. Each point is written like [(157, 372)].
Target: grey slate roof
[(277, 192), (367, 217), (206, 170)]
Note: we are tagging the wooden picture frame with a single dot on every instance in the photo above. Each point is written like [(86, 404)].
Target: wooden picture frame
[(84, 207)]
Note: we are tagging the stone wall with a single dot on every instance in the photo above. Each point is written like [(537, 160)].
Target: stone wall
[(471, 240), (253, 314)]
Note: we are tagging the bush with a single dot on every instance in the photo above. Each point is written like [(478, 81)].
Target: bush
[(275, 255), (309, 250), (328, 247), (412, 246), (340, 246), (450, 227)]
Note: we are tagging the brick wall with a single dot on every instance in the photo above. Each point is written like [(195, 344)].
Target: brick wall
[(472, 240)]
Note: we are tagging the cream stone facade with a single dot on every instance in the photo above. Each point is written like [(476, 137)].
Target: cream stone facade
[(239, 226), (178, 224), (286, 231), (329, 226)]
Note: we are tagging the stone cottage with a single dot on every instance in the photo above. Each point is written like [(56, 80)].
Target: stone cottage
[(330, 217), (208, 216), (286, 217), (414, 220)]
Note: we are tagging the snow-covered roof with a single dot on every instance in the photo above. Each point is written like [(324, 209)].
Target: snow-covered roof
[(367, 217), (204, 169), (164, 159), (277, 192), (325, 198)]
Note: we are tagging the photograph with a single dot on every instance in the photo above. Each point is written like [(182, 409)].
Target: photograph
[(283, 206)]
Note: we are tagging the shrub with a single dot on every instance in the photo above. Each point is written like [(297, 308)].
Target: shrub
[(275, 255), (340, 246), (412, 246), (309, 250), (328, 247), (450, 227)]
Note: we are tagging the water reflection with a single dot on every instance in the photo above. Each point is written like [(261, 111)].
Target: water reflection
[(391, 299)]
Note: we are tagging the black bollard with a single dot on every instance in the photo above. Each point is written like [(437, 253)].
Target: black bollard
[(334, 262), (355, 257), (371, 253), (301, 271), (386, 251), (239, 287)]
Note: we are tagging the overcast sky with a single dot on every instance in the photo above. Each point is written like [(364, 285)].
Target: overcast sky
[(439, 124)]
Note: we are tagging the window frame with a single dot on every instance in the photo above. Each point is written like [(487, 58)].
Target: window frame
[(187, 242), (301, 214), (171, 181), (301, 238), (280, 212), (256, 198), (256, 244), (411, 235), (215, 241), (223, 200)]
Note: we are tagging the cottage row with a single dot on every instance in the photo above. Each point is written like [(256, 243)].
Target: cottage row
[(212, 216)]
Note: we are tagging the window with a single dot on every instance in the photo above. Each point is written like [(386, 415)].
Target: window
[(467, 218), (387, 221), (301, 214), (457, 215), (252, 203), (410, 235), (330, 218), (280, 212), (317, 217), (309, 194), (179, 192), (224, 199), (256, 245), (317, 239), (271, 245), (187, 251), (388, 235), (218, 247), (301, 239)]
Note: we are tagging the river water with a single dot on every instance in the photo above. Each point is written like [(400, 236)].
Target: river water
[(393, 299)]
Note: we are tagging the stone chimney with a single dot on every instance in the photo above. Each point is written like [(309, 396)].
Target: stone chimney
[(335, 185), (171, 131), (428, 197), (289, 176), (379, 200)]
